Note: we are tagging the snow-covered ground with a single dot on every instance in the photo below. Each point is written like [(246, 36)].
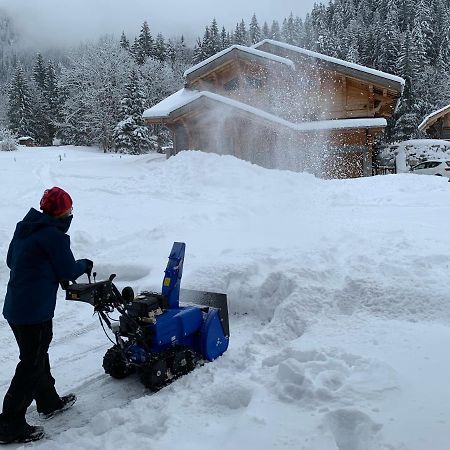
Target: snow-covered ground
[(338, 298)]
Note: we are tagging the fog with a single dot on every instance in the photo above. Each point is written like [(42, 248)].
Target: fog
[(63, 22)]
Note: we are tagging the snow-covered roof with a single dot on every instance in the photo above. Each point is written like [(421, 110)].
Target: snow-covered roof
[(332, 60), (249, 50), (431, 118), (25, 138), (186, 96), (171, 103)]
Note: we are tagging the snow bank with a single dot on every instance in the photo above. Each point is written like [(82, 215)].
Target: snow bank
[(338, 303)]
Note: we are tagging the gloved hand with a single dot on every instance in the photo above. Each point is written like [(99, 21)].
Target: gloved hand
[(89, 266)]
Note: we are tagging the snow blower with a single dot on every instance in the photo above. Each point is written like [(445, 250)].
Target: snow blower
[(160, 335)]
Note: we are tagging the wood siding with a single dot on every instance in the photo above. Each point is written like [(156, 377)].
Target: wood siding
[(441, 128)]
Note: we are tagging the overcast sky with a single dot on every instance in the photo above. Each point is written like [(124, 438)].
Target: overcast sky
[(68, 22)]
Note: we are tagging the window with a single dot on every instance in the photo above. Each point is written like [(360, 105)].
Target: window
[(431, 164), (254, 83), (231, 85), (419, 167)]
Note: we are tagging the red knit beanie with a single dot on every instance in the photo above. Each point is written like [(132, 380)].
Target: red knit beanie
[(55, 201)]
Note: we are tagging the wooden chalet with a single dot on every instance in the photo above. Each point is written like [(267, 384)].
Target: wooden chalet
[(281, 106), (437, 124), (28, 141)]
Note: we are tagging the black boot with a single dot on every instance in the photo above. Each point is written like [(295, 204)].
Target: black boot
[(66, 402), (26, 433)]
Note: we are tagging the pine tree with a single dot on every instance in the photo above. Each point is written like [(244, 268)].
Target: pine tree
[(146, 44), (240, 34), (171, 53), (407, 65), (287, 30), (214, 39), (130, 134), (160, 50), (390, 43), (224, 39), (254, 30), (135, 51), (206, 44), (53, 100), (40, 72), (275, 32), (265, 31), (40, 120), (124, 42), (423, 19), (198, 55), (20, 111), (299, 37), (42, 114)]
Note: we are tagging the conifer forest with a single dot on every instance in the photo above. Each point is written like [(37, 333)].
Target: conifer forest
[(95, 93)]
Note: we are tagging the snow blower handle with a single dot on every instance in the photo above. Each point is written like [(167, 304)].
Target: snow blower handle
[(88, 270)]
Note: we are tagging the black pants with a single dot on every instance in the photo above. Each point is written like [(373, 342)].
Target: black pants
[(33, 379)]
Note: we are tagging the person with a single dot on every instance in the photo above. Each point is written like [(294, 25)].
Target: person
[(39, 258)]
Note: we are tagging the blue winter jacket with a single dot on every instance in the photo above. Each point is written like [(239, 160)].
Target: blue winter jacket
[(39, 257)]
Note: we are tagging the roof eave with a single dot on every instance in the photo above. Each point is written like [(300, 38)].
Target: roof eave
[(189, 106)]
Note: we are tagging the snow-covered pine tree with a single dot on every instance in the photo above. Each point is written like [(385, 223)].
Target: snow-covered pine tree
[(254, 30), (241, 36), (160, 49), (275, 32), (214, 39), (130, 134), (20, 110), (287, 30), (265, 31), (135, 50), (224, 39), (299, 32), (54, 101), (198, 54), (40, 72), (390, 42), (146, 44), (124, 42), (43, 123), (424, 19)]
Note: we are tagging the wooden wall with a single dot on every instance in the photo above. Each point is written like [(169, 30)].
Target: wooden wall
[(309, 93), (441, 128), (335, 154)]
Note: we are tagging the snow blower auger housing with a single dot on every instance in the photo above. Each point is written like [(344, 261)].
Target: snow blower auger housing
[(160, 335)]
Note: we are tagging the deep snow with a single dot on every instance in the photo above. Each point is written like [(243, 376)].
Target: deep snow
[(338, 299)]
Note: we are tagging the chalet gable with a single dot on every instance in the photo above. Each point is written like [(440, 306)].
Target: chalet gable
[(212, 68), (437, 124)]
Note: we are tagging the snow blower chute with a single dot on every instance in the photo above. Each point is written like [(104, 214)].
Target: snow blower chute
[(160, 335)]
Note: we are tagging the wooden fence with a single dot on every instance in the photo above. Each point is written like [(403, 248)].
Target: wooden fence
[(383, 170)]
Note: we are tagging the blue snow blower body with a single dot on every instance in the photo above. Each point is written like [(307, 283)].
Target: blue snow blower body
[(160, 335)]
